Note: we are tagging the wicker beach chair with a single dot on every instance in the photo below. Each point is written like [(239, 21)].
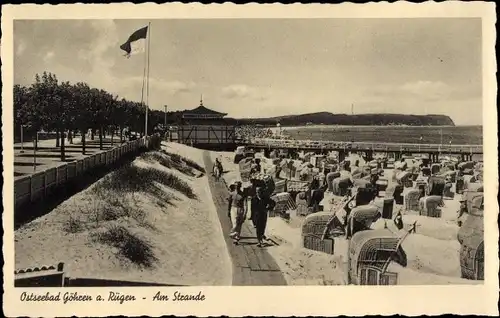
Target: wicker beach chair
[(411, 200), (430, 206), (341, 185), (435, 168), (329, 179), (361, 218), (312, 231), (370, 253), (395, 192), (381, 184), (284, 203), (435, 186), (452, 175), (471, 239), (447, 192), (404, 179)]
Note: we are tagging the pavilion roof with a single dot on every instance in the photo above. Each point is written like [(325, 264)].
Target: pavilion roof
[(202, 110)]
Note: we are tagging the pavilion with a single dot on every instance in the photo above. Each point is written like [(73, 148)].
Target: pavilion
[(206, 128)]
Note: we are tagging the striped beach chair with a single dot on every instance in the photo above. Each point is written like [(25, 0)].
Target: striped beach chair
[(284, 203)]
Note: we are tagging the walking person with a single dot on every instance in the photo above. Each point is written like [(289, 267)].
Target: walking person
[(217, 169), (260, 205), (216, 172), (219, 166), (237, 210)]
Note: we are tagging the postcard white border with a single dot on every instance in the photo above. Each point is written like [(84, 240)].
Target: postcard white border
[(282, 301)]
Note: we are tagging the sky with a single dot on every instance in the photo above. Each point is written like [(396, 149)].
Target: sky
[(270, 67)]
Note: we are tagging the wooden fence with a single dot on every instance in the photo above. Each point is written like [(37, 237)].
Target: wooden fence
[(41, 184)]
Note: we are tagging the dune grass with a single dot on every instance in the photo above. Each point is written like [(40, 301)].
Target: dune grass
[(113, 198), (129, 245), (73, 225), (105, 207), (171, 162), (180, 159), (130, 178)]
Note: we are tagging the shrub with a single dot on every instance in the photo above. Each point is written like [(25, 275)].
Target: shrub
[(179, 159), (130, 246), (175, 157), (130, 178), (110, 207), (155, 156), (73, 225), (171, 162), (194, 165)]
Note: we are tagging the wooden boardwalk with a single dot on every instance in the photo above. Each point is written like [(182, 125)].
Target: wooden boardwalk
[(252, 265)]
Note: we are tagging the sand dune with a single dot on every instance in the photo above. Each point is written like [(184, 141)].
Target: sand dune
[(183, 235)]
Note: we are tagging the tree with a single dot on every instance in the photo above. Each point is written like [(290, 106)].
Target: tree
[(21, 109), (64, 108)]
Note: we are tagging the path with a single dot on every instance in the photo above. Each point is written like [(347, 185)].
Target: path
[(252, 265)]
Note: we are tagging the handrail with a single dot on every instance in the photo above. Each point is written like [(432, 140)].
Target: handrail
[(33, 186), (314, 144)]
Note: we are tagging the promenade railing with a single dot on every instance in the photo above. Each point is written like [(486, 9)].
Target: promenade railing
[(335, 145)]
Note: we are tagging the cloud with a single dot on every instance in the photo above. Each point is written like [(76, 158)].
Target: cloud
[(95, 52), (48, 56), (172, 87), (160, 85), (427, 90), (241, 91), (424, 87), (21, 47), (422, 91)]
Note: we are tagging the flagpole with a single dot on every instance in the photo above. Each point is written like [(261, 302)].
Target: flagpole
[(144, 80), (147, 82), (147, 90)]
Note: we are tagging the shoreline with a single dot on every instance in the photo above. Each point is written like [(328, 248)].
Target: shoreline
[(370, 126)]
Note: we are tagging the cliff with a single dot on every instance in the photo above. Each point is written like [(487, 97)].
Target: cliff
[(326, 118)]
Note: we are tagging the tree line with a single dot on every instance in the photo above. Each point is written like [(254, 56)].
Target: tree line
[(67, 109)]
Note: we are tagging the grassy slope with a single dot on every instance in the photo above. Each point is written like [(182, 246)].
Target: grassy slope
[(148, 221)]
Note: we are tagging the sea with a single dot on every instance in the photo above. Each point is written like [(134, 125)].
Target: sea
[(455, 135)]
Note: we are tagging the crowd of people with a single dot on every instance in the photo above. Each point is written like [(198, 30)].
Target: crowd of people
[(249, 132), (342, 179)]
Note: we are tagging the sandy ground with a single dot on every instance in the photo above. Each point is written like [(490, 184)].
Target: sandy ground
[(300, 266), (185, 235), (432, 252)]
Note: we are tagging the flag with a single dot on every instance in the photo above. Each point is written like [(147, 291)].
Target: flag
[(131, 46)]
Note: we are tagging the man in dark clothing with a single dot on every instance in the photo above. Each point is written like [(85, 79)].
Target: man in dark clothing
[(261, 204)]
